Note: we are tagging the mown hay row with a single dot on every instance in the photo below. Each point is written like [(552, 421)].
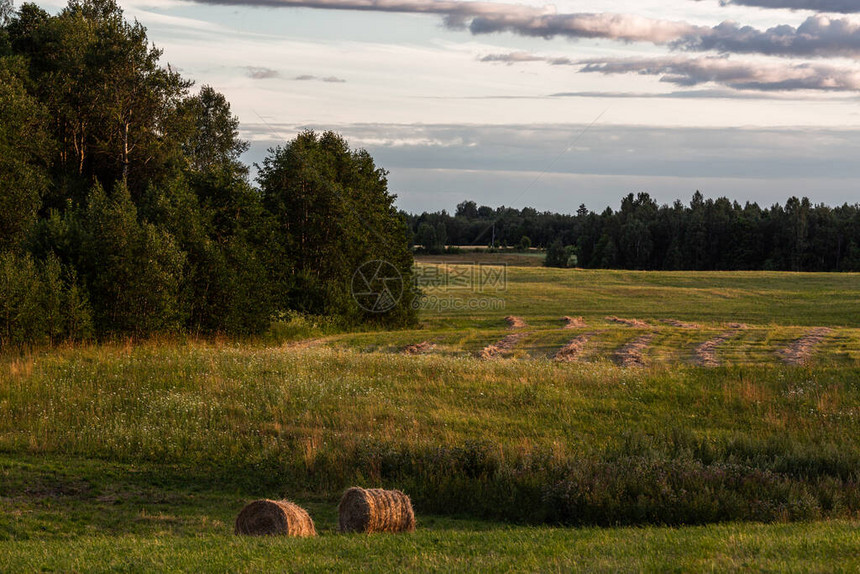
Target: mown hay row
[(632, 354), (681, 324), (375, 510), (800, 350), (419, 348), (515, 322), (496, 350), (706, 353), (573, 322), (572, 350), (274, 517), (628, 322)]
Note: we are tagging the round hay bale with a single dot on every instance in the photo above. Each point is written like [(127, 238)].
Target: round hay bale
[(375, 510), (274, 517)]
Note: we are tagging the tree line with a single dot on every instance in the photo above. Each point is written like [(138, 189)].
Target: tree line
[(706, 234), (125, 208)]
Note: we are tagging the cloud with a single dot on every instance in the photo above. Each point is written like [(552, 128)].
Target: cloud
[(493, 164), (737, 75), (839, 6), (687, 72), (311, 78), (260, 73), (520, 57), (819, 35), (490, 17)]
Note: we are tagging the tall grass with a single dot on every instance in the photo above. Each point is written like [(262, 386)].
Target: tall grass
[(519, 440)]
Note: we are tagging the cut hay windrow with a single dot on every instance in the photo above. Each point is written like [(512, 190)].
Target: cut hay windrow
[(572, 350), (274, 517), (573, 322), (515, 322), (631, 354), (628, 322), (497, 349), (681, 324), (375, 510), (800, 350), (706, 353), (419, 348)]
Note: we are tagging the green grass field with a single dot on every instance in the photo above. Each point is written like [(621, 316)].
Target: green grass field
[(138, 457)]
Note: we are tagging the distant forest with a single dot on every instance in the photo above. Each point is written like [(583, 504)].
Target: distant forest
[(706, 234), (126, 211)]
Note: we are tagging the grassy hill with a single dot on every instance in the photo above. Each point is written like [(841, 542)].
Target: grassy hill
[(138, 457)]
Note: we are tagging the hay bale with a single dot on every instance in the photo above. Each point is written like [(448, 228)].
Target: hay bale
[(274, 517), (375, 510)]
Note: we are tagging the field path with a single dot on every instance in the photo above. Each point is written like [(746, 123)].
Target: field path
[(630, 355), (800, 350)]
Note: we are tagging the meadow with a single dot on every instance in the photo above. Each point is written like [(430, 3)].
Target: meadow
[(137, 457)]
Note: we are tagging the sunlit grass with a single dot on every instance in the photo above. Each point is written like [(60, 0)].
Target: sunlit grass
[(109, 452)]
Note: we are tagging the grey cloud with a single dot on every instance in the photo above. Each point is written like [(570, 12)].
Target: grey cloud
[(488, 17), (819, 35), (722, 94), (519, 57), (736, 75), (839, 6), (494, 164), (310, 78), (259, 73), (689, 72)]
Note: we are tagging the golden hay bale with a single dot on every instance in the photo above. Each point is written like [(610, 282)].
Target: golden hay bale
[(274, 517), (375, 510)]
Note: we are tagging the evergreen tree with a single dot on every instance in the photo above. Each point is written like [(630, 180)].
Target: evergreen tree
[(556, 255)]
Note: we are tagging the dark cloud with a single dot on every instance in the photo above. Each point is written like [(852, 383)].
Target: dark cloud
[(839, 6), (819, 35), (735, 75), (311, 78), (687, 72), (488, 17), (259, 73)]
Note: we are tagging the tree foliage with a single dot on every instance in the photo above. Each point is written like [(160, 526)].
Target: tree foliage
[(705, 234), (331, 208), (125, 207)]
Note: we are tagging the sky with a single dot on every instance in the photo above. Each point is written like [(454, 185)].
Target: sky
[(542, 105)]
